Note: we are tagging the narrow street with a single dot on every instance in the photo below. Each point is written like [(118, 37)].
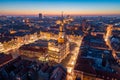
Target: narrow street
[(70, 60)]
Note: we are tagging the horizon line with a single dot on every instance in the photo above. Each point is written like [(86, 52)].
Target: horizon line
[(60, 14)]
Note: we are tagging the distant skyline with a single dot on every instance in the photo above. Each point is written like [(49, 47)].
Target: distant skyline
[(55, 7)]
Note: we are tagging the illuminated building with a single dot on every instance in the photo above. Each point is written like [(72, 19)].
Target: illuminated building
[(57, 51), (1, 47), (37, 50), (59, 48), (12, 31), (61, 38)]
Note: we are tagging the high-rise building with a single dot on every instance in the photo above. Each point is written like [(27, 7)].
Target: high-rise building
[(40, 15)]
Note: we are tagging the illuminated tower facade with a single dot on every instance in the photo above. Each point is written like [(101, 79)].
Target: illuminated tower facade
[(59, 49), (61, 38)]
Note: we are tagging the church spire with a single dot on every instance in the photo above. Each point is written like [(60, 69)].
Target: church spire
[(61, 38), (62, 16)]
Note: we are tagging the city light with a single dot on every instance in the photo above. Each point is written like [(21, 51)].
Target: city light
[(72, 63), (69, 70), (60, 40)]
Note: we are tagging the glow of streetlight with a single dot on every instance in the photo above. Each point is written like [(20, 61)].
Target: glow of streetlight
[(72, 63), (69, 70)]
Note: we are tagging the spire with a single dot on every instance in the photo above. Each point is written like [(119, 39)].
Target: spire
[(61, 38), (62, 16)]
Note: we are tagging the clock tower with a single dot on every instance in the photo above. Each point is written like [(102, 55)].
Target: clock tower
[(61, 38)]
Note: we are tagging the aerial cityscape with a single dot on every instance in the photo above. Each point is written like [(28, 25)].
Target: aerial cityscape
[(59, 40)]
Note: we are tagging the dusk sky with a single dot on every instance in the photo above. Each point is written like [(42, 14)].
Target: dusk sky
[(55, 7)]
